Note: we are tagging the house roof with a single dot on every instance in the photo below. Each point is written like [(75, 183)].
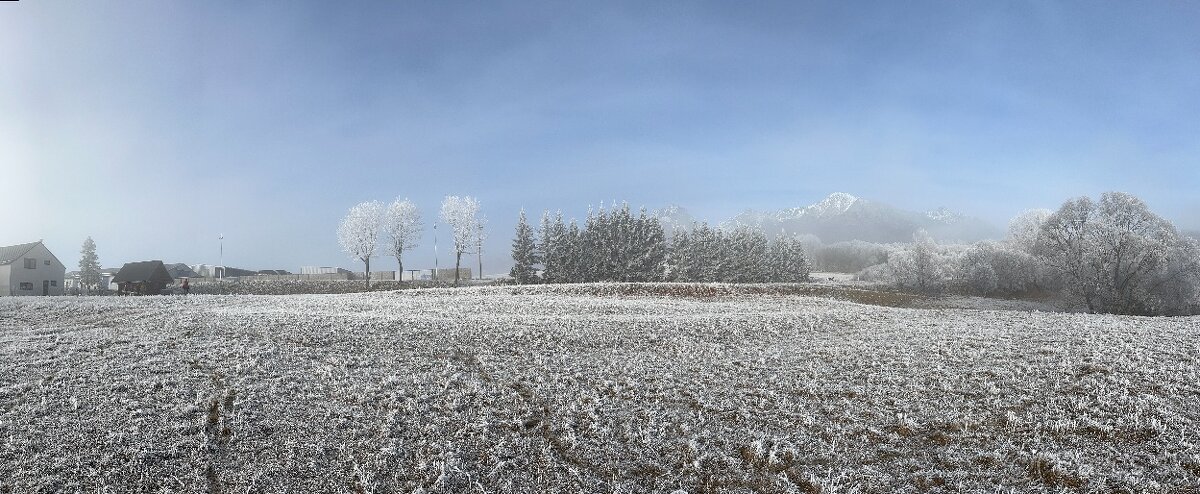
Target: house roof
[(14, 252), (181, 270), (143, 271)]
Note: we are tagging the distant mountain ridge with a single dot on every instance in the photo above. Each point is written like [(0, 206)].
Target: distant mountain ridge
[(842, 217)]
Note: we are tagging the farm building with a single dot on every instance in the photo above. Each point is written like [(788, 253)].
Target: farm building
[(180, 270), (30, 269), (322, 270), (142, 278)]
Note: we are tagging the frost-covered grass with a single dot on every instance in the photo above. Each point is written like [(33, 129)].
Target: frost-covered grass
[(593, 388), (251, 286)]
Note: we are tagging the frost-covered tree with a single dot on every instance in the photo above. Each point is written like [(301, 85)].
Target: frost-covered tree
[(402, 222), (1110, 254), (654, 248), (1016, 269), (707, 254), (89, 266), (623, 244), (1131, 244), (647, 248), (461, 213), (616, 245), (1024, 229), (545, 248), (919, 266), (594, 261), (1176, 285), (553, 250), (359, 232), (573, 266), (788, 261), (524, 253), (976, 271), (679, 261), (745, 257)]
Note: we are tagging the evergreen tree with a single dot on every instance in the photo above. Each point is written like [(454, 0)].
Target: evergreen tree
[(680, 265), (592, 253), (573, 259), (746, 257), (523, 254), (89, 266), (616, 245), (625, 242), (651, 249), (547, 249), (788, 262), (707, 254)]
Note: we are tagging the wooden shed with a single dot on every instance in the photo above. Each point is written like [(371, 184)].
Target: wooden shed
[(142, 278)]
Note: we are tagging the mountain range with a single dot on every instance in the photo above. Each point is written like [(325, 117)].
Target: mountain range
[(842, 217)]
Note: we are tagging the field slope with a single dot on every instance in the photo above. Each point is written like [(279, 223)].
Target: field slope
[(588, 389)]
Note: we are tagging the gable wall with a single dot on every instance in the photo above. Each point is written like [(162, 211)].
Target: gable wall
[(18, 273)]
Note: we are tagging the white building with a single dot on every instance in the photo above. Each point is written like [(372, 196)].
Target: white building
[(322, 270), (75, 286), (30, 269)]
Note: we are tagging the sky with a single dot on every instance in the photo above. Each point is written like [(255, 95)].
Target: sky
[(154, 127)]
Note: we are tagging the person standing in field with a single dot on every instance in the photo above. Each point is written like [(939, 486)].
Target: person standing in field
[(185, 286)]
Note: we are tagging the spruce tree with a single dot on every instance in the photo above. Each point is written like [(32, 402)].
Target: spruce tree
[(625, 245), (707, 254), (591, 258), (89, 266), (679, 257), (546, 250), (573, 257), (651, 253), (789, 264), (523, 254)]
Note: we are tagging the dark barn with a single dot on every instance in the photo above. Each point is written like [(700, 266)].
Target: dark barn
[(142, 278)]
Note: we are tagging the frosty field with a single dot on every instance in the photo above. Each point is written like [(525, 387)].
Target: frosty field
[(593, 388)]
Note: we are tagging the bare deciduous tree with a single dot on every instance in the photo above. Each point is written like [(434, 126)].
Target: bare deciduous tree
[(921, 265), (359, 232), (1111, 254), (402, 222), (461, 213)]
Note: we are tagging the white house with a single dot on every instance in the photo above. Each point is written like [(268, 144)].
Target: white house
[(74, 285), (30, 269)]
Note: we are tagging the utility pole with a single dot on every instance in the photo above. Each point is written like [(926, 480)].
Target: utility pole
[(221, 259), (435, 253)]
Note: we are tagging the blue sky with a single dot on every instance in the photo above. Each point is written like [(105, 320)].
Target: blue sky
[(155, 126)]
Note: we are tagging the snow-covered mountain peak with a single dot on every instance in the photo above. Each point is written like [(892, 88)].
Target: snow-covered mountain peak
[(835, 203), (944, 215)]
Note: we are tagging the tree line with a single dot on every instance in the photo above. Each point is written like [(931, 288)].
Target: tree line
[(620, 246), (1112, 255)]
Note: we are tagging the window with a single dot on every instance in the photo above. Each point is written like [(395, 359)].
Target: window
[(30, 263), (53, 282), (26, 286), (46, 262)]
